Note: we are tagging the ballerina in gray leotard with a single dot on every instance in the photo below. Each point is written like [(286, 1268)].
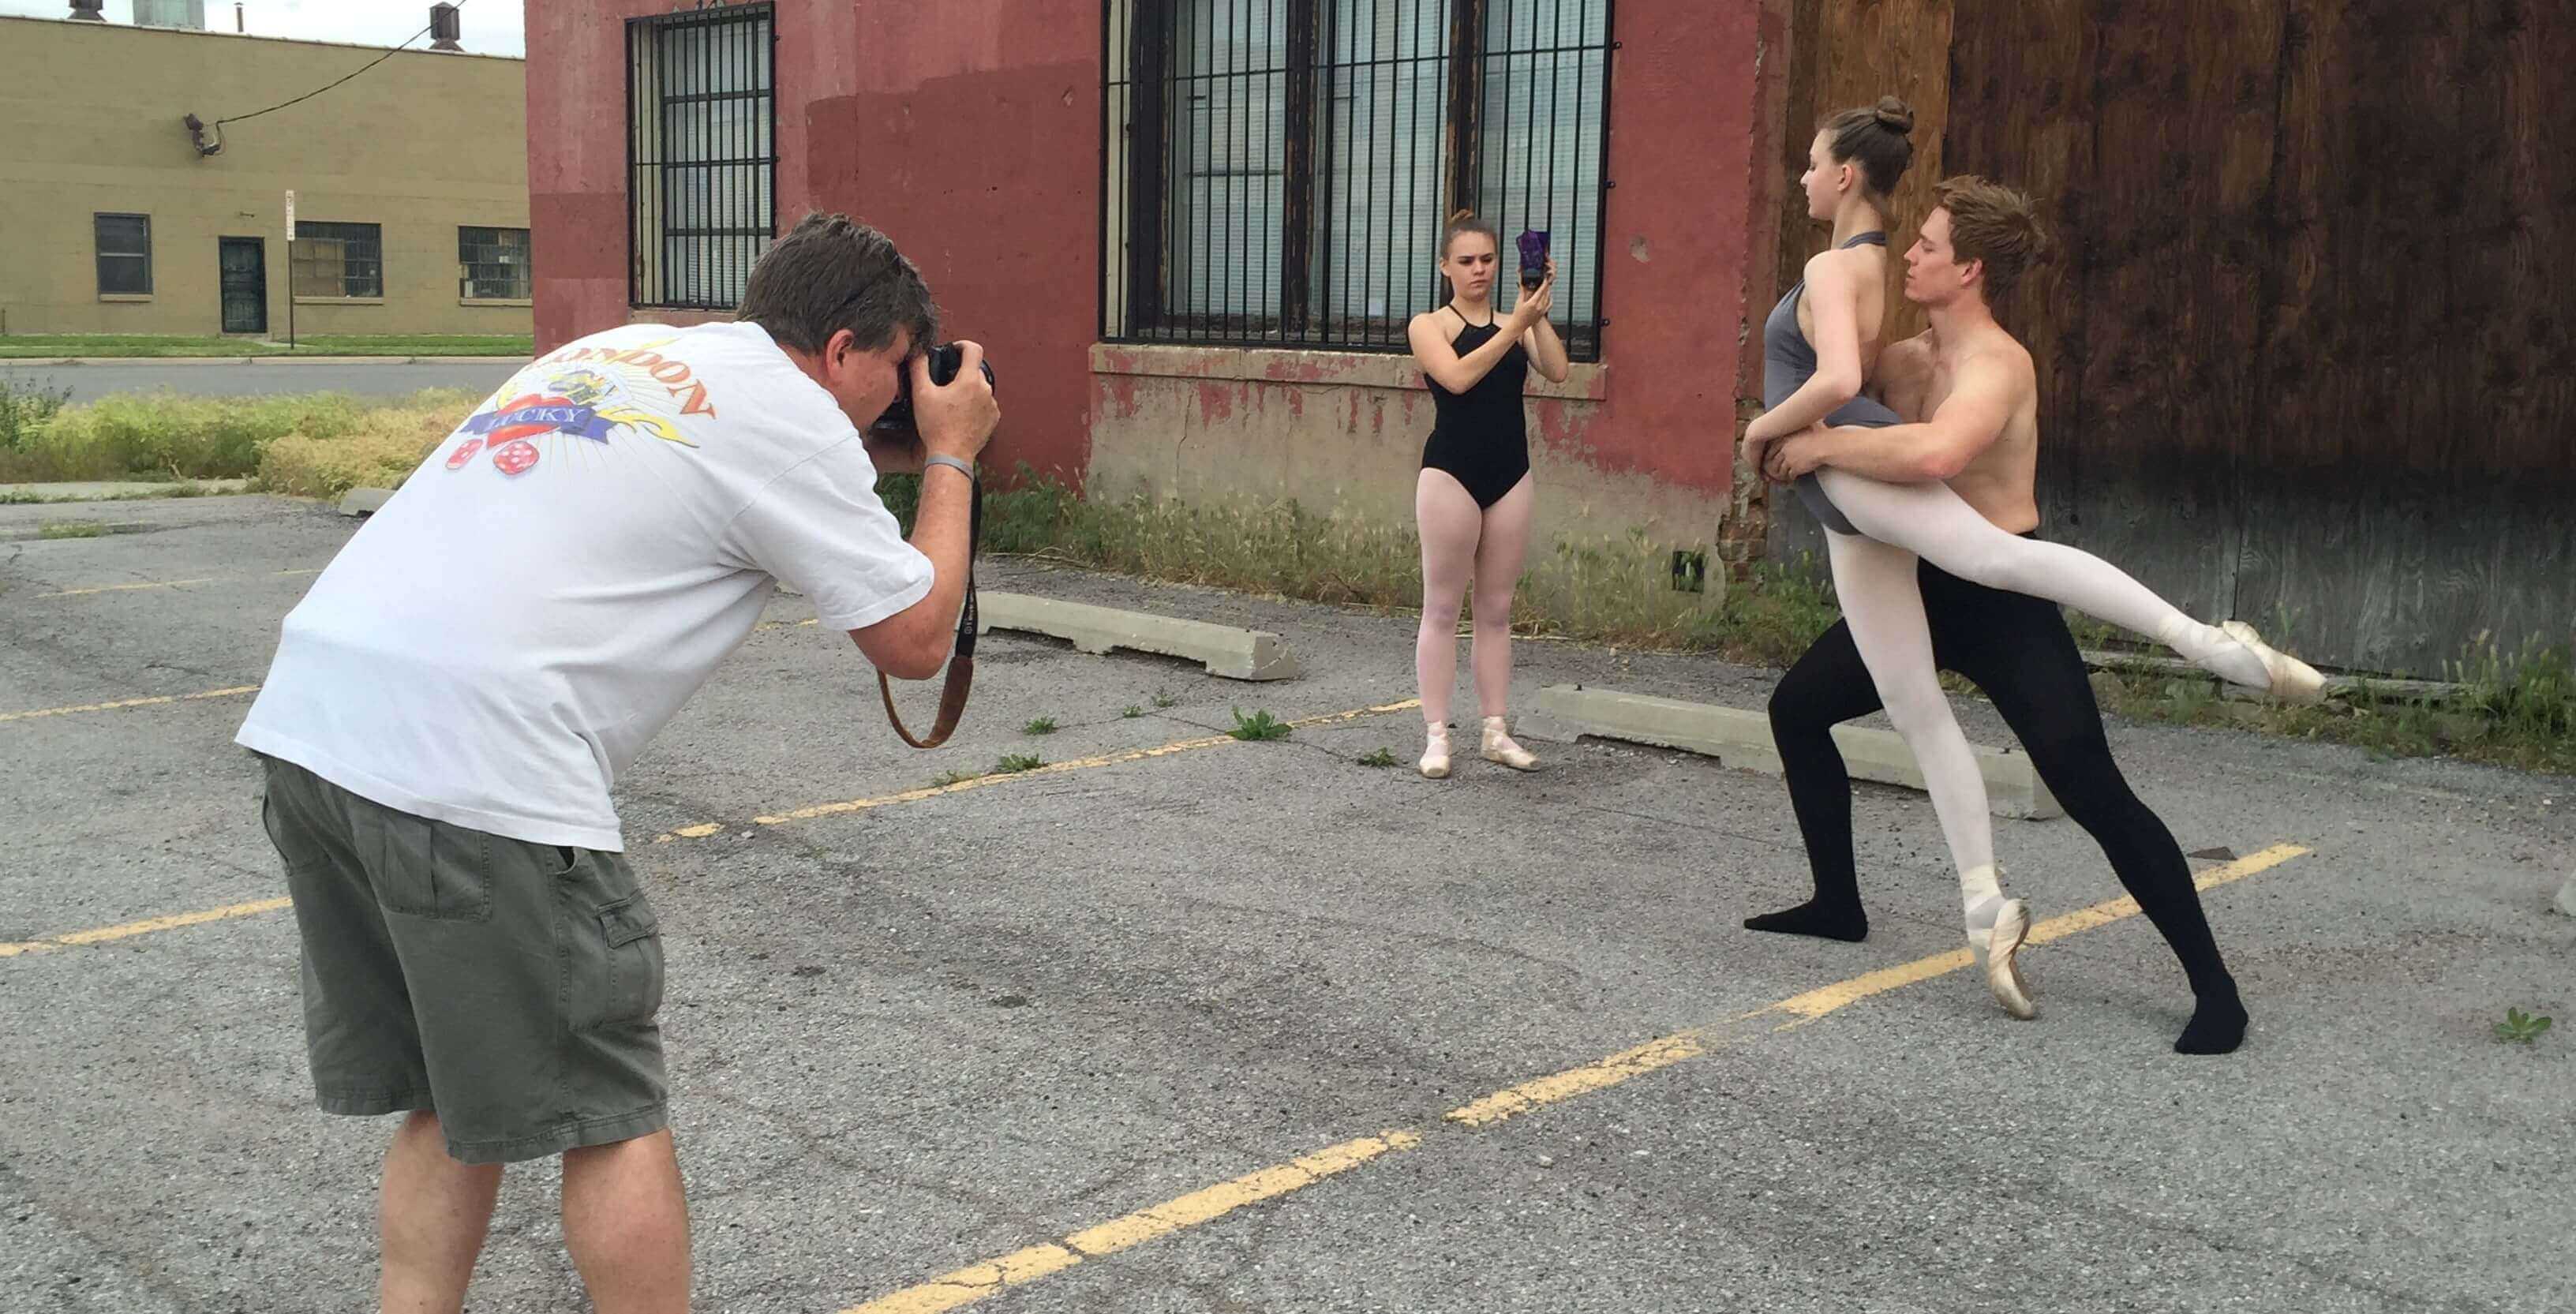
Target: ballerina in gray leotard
[(1788, 361)]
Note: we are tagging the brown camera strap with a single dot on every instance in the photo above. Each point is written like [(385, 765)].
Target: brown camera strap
[(961, 664)]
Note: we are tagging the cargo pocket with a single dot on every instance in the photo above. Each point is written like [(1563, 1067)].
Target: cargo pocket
[(425, 868), (631, 984)]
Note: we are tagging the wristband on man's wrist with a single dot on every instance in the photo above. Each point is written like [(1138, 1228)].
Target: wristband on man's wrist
[(950, 461)]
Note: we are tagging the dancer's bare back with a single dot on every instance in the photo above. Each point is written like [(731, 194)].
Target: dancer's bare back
[(1919, 375)]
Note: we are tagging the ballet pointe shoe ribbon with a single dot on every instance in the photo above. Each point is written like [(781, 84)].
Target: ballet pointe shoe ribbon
[(1498, 747), (1435, 754), (2293, 681)]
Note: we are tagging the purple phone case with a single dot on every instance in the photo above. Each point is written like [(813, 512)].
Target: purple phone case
[(1533, 244)]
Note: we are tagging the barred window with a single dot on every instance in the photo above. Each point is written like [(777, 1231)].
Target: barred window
[(493, 264), (701, 144), (339, 260), (124, 244), (1279, 172)]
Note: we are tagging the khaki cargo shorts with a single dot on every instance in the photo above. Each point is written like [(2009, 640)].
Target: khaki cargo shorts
[(509, 987)]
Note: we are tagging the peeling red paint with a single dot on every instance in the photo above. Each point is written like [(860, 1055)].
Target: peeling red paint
[(1216, 402), (975, 143), (1119, 390)]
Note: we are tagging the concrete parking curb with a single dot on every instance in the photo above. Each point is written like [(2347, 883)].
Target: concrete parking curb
[(1742, 739), (1237, 654)]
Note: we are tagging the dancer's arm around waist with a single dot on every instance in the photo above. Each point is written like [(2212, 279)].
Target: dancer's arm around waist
[(1967, 422)]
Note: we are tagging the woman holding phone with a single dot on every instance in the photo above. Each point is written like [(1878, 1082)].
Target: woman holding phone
[(1472, 500)]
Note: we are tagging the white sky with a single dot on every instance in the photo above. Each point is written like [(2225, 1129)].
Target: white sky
[(491, 27)]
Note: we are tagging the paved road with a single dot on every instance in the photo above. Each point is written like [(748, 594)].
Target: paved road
[(1179, 1029), (89, 382)]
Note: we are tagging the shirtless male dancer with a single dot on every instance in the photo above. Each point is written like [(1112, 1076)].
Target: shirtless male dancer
[(1969, 395)]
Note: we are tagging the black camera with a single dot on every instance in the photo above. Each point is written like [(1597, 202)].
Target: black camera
[(945, 360)]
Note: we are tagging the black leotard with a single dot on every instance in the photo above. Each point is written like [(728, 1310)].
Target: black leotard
[(1478, 435)]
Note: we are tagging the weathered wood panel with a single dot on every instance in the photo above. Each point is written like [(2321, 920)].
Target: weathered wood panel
[(2357, 547), (2305, 357), (2186, 93), (2021, 112), (1799, 235)]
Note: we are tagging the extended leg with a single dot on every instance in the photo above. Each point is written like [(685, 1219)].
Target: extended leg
[(1931, 521), (2020, 654), (1884, 607)]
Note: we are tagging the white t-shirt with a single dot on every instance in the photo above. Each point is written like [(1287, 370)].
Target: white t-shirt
[(546, 590)]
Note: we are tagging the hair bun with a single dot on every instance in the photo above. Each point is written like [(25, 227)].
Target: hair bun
[(1895, 114), (1462, 216)]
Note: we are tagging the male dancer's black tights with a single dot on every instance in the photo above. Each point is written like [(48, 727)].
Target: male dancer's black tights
[(2017, 650)]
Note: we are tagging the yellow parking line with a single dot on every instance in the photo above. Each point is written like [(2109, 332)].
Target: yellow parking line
[(1816, 1003), (968, 1285), (707, 829), (130, 702), (9, 949), (145, 927), (977, 1282), (1580, 1081), (166, 584)]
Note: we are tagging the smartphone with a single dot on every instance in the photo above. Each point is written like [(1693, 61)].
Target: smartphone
[(1533, 244)]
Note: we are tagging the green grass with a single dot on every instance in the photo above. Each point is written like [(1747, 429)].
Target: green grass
[(1017, 762), (1261, 725), (2521, 1028), (25, 409), (1132, 711), (147, 346), (2517, 711), (1380, 758), (312, 445), (70, 529), (1044, 725)]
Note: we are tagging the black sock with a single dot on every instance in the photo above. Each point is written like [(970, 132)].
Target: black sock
[(2217, 1026), (1816, 917)]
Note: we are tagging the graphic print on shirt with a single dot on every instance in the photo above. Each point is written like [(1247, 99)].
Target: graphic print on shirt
[(580, 393)]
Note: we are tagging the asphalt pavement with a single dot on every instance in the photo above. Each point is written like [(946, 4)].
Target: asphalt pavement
[(1182, 1023)]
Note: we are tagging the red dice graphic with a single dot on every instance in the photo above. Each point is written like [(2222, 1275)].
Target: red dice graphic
[(464, 452), (516, 457)]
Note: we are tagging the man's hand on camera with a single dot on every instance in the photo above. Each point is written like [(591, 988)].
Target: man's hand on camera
[(959, 419)]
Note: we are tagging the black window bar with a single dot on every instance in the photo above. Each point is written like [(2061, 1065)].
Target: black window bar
[(1278, 172), (493, 264), (701, 153), (337, 260)]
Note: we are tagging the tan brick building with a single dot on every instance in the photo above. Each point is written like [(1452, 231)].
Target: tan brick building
[(410, 182)]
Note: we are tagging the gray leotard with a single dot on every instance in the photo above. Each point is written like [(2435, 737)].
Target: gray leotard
[(1788, 361)]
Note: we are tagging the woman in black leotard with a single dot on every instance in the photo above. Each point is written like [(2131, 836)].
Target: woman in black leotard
[(1472, 501)]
